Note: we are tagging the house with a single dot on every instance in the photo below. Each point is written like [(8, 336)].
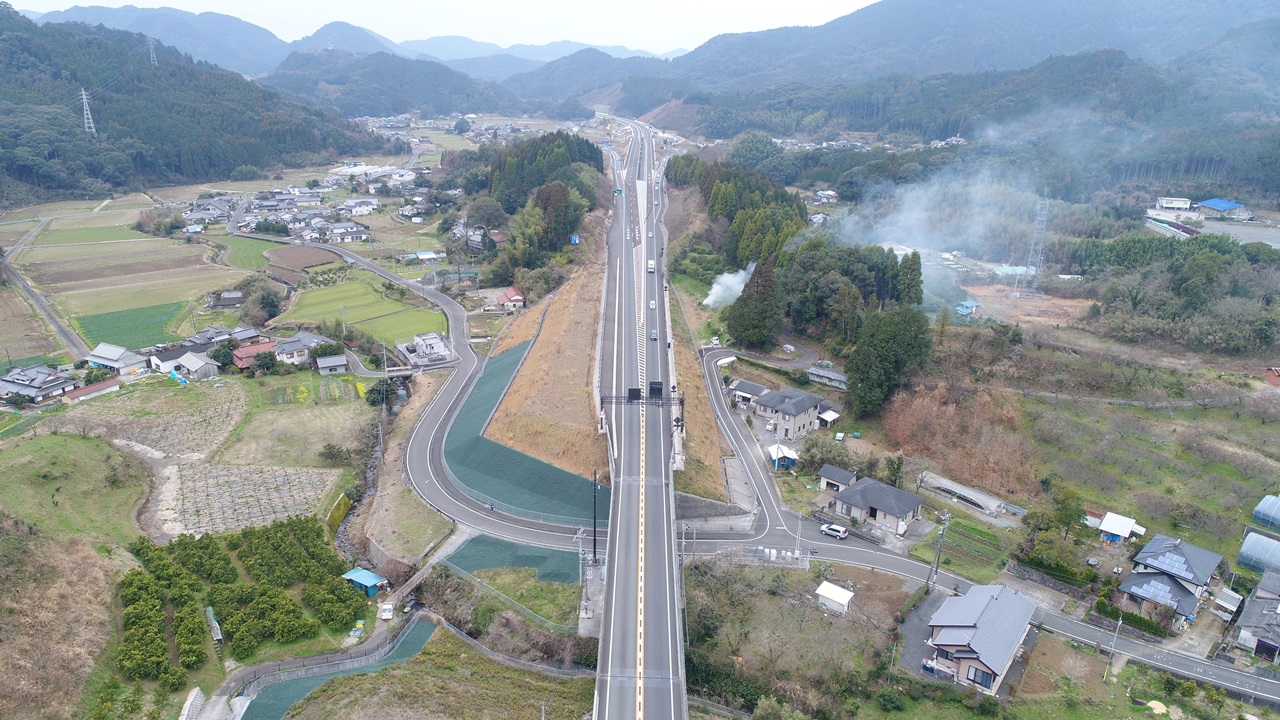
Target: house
[(827, 415), (332, 365), (72, 397), (242, 357), (346, 232), (791, 413), (967, 309), (782, 457), (1170, 572), (827, 376), (245, 336), (197, 366), (194, 229), (166, 361), (360, 206), (1118, 528), (1173, 203), (871, 501), (228, 300), (831, 477), (297, 349), (1226, 209), (116, 359), (1272, 376), (1259, 624), (744, 391), (977, 635), (834, 597), (366, 582), (510, 299), (36, 383), (211, 335), (425, 349)]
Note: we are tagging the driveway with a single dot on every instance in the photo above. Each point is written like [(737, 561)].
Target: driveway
[(915, 635)]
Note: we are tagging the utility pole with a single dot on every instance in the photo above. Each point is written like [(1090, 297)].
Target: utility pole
[(1119, 624), (88, 117), (937, 556), (151, 47), (342, 312)]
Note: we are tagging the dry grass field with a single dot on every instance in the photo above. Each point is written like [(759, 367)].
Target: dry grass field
[(50, 646), (549, 411), (1056, 666), (23, 334), (704, 444), (12, 232)]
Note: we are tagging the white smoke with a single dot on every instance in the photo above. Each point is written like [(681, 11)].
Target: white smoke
[(727, 287)]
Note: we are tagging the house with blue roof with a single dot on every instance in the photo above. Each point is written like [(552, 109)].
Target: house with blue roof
[(1226, 209), (1170, 572), (977, 636), (967, 309)]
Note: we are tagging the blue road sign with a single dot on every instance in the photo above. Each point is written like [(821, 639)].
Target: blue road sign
[(575, 239)]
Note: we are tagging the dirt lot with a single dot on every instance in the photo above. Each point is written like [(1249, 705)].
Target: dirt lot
[(117, 268), (22, 333), (997, 304), (1057, 667), (301, 257), (549, 411), (704, 443), (290, 437)]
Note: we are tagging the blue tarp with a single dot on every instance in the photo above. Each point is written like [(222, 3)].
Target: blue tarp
[(365, 581), (1220, 205)]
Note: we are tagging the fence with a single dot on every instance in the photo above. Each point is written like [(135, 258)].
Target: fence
[(281, 670), (567, 673), (761, 555), (530, 615)]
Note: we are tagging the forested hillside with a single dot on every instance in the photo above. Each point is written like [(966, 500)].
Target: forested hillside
[(175, 122), (530, 164), (385, 84)]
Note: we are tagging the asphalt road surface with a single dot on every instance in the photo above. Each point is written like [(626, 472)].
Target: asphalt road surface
[(641, 666)]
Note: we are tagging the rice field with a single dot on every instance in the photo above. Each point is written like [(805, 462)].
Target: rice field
[(22, 332), (12, 232), (137, 328), (363, 306), (88, 235), (245, 253)]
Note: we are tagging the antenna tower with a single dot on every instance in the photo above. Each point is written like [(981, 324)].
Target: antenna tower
[(1028, 286), (151, 47), (88, 118)]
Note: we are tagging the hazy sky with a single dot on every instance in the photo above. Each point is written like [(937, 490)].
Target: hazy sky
[(654, 25)]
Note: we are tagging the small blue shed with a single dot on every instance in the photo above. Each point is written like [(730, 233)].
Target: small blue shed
[(365, 581)]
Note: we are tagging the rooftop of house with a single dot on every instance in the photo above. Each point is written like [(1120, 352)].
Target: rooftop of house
[(747, 387), (989, 619), (177, 352), (1162, 589), (789, 401), (871, 493), (1269, 582), (332, 361), (107, 351), (837, 474), (827, 373), (1179, 558)]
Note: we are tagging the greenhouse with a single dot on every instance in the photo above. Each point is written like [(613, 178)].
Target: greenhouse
[(1267, 514), (1260, 553)]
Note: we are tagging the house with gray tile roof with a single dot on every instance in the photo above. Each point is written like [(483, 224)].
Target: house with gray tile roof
[(744, 391), (36, 383), (1259, 622), (871, 501), (835, 478), (977, 636), (794, 413), (1170, 572)]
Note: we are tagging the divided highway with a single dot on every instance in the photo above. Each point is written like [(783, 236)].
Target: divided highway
[(641, 666)]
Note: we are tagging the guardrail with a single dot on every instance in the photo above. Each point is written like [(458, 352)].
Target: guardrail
[(532, 616)]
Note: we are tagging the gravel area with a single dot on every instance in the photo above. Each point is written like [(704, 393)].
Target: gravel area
[(218, 498)]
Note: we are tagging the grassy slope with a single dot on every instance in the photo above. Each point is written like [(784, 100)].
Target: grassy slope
[(556, 602), (384, 318)]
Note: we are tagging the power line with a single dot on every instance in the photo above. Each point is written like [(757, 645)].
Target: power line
[(88, 117), (151, 47)]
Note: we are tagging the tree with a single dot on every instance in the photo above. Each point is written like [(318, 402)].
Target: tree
[(894, 467), (487, 212), (383, 392), (462, 127), (96, 375), (910, 290), (753, 149), (1068, 509), (264, 362), (890, 346), (755, 318), (269, 301), (821, 449), (223, 355), (332, 349)]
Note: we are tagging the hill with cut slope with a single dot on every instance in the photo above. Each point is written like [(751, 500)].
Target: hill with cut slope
[(177, 122)]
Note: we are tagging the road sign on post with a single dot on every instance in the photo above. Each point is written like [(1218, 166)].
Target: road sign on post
[(575, 239)]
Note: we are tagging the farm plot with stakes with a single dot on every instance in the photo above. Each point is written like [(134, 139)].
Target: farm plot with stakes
[(218, 498)]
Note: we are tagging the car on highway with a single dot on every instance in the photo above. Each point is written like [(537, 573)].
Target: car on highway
[(653, 335), (836, 531), (653, 304)]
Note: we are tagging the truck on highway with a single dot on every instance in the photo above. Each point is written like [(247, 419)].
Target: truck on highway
[(653, 266)]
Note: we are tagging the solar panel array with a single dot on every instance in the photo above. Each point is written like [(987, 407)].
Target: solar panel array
[(1171, 563), (1156, 591)]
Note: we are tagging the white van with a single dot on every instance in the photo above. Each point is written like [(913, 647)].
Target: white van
[(653, 266)]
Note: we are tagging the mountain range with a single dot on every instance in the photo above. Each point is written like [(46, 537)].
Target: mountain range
[(255, 51)]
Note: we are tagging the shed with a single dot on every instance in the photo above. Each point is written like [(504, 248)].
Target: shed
[(332, 365), (1267, 513), (365, 581), (834, 597), (1228, 601), (1272, 376), (782, 457), (835, 478), (1118, 528), (1259, 553)]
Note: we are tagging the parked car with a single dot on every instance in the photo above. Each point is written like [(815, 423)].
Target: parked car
[(386, 611), (836, 531)]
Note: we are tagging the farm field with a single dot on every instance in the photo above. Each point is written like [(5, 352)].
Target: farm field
[(48, 210), (147, 290), (111, 216), (23, 333), (244, 253), (12, 232), (300, 257), (292, 417), (970, 548), (137, 328), (54, 235), (386, 319)]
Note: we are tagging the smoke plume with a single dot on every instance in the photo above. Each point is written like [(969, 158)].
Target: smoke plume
[(727, 287)]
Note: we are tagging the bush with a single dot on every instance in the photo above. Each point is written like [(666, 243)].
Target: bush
[(335, 602), (891, 700), (1133, 620), (144, 652), (188, 632), (988, 706), (173, 679), (205, 557)]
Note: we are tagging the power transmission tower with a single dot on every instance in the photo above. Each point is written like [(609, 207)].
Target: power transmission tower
[(151, 47), (88, 118), (1027, 286)]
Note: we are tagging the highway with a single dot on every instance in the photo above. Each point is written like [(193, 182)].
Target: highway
[(641, 666)]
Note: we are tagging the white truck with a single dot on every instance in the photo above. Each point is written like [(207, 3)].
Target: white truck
[(653, 266)]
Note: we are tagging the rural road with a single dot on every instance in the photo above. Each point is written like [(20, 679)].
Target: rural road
[(68, 336)]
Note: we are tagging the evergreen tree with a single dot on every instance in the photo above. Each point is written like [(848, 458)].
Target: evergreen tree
[(910, 280), (890, 346), (755, 318)]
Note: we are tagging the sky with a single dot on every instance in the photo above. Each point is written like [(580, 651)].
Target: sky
[(657, 26)]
